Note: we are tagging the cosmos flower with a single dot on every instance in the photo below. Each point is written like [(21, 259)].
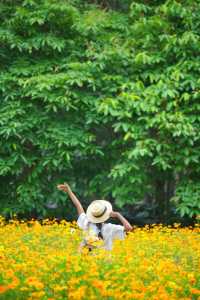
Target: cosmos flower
[(40, 260)]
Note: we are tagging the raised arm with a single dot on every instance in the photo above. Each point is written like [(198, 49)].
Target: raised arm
[(66, 188), (125, 223)]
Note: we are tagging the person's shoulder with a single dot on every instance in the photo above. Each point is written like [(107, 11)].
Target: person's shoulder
[(109, 227), (82, 221), (83, 215), (114, 231)]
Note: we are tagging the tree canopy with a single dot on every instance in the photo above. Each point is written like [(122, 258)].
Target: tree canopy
[(104, 95)]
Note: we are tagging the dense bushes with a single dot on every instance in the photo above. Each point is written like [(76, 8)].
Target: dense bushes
[(105, 97)]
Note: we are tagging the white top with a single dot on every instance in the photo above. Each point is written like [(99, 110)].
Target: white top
[(109, 231)]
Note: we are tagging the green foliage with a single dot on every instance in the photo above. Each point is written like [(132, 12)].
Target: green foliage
[(187, 199), (103, 96)]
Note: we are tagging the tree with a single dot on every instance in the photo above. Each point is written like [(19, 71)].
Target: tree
[(105, 97)]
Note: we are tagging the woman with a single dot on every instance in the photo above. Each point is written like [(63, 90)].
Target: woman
[(92, 222)]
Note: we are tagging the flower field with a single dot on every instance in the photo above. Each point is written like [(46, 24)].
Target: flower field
[(43, 261)]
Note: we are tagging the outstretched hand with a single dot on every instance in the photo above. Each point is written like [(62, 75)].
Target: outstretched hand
[(66, 188), (63, 187), (126, 224)]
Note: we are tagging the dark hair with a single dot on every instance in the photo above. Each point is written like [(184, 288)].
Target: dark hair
[(99, 226)]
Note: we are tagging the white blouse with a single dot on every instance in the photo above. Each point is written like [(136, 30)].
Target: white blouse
[(109, 231)]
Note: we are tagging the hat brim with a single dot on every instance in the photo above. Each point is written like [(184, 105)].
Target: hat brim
[(104, 217)]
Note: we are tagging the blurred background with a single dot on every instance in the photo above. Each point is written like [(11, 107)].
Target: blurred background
[(103, 95)]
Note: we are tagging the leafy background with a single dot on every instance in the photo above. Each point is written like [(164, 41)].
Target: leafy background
[(103, 95)]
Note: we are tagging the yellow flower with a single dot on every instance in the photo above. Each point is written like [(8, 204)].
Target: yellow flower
[(38, 295), (32, 281), (151, 263)]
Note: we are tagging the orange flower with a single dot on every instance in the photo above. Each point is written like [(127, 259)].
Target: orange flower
[(151, 263), (97, 283), (14, 284), (3, 289), (195, 291), (32, 281)]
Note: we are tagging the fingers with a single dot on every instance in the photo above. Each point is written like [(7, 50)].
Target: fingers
[(128, 228), (61, 187)]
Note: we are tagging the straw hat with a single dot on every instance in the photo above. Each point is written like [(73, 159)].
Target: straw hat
[(99, 211)]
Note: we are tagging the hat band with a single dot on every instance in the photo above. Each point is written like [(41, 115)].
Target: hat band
[(99, 216)]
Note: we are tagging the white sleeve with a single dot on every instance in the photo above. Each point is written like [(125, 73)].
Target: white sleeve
[(118, 232), (83, 221)]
